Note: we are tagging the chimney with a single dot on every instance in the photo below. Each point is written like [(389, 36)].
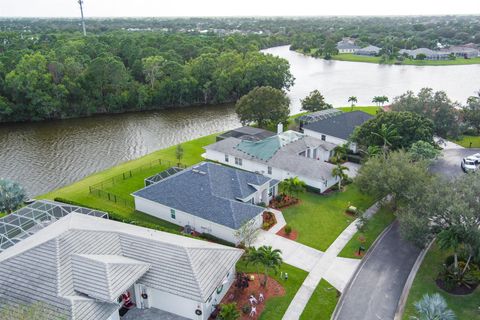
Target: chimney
[(279, 128)]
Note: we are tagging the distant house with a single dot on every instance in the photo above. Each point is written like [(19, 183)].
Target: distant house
[(285, 155), (337, 129), (466, 52), (316, 116), (246, 133), (79, 267), (429, 54), (369, 51), (209, 198), (347, 45)]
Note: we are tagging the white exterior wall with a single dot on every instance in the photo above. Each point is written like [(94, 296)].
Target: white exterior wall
[(182, 306), (277, 174), (347, 50), (182, 219), (331, 139)]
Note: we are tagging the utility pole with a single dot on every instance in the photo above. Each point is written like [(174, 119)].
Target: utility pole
[(80, 2)]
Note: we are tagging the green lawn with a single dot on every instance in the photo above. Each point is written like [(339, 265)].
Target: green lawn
[(319, 219), (465, 307), (79, 192), (322, 303), (276, 307), (369, 59), (368, 109), (465, 141), (381, 220)]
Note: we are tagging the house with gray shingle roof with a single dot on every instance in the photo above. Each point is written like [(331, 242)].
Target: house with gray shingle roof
[(209, 198), (78, 267), (285, 155), (347, 45), (337, 129)]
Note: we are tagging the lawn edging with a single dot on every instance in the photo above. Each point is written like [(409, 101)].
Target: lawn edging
[(359, 268), (408, 284)]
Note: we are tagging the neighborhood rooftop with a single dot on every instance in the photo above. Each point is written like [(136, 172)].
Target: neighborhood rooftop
[(209, 191), (246, 133), (83, 262), (341, 125)]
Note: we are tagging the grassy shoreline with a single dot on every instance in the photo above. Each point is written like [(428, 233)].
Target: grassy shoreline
[(350, 57)]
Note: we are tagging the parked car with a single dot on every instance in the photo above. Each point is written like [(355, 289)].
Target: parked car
[(469, 164), (476, 157)]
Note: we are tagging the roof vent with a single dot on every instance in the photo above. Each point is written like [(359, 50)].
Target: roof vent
[(199, 172)]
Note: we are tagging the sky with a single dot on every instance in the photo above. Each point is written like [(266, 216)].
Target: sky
[(174, 8)]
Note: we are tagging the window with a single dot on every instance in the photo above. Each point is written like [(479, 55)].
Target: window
[(308, 153), (324, 138), (269, 170), (238, 161), (226, 158), (271, 191), (172, 213)]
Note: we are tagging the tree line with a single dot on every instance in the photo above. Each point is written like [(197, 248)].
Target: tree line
[(61, 75)]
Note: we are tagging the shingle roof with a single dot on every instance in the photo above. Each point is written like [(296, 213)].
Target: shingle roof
[(346, 45), (210, 191), (286, 158), (340, 126), (247, 133), (41, 268)]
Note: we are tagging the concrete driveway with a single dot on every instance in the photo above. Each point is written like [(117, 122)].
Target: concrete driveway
[(378, 284), (448, 165)]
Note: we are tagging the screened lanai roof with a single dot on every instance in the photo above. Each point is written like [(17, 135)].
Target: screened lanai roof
[(319, 115), (26, 221)]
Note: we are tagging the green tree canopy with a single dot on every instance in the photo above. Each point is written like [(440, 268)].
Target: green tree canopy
[(435, 106), (315, 102), (12, 195), (263, 105), (471, 113), (410, 128), (422, 150)]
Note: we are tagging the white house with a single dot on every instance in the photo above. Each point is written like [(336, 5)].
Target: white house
[(78, 267), (338, 128), (347, 45), (285, 155), (209, 198)]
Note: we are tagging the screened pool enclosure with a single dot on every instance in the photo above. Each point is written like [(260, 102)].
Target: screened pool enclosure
[(26, 221)]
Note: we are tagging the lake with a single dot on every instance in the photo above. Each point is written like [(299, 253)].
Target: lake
[(47, 155)]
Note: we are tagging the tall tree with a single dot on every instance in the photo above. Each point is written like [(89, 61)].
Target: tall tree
[(339, 172), (353, 100), (271, 260), (388, 134), (315, 102), (471, 113), (152, 69), (410, 128), (263, 105)]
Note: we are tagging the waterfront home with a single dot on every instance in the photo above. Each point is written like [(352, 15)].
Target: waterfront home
[(369, 51), (285, 155), (209, 198), (428, 53), (316, 116), (347, 45), (85, 267), (337, 129), (466, 52), (246, 133)]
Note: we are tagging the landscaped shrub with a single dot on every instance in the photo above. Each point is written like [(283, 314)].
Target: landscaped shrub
[(246, 308), (287, 229)]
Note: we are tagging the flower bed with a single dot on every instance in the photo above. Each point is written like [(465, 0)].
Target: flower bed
[(269, 220), (293, 235), (283, 201), (241, 296)]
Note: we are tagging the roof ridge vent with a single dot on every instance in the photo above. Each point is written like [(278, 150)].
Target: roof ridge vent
[(199, 172)]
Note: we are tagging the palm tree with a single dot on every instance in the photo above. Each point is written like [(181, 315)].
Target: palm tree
[(452, 238), (339, 171), (229, 312), (352, 100), (292, 186), (433, 307), (371, 151), (388, 134), (341, 151), (376, 100), (252, 257), (271, 259)]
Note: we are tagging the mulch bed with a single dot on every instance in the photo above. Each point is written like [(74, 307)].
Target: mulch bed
[(269, 218), (460, 291), (292, 236), (285, 203), (241, 296)]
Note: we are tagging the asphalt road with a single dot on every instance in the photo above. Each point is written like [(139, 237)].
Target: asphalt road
[(448, 164), (378, 284)]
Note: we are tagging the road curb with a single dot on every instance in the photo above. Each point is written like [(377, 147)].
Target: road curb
[(408, 284), (359, 268)]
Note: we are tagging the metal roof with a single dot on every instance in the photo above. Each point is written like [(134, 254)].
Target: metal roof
[(24, 222)]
